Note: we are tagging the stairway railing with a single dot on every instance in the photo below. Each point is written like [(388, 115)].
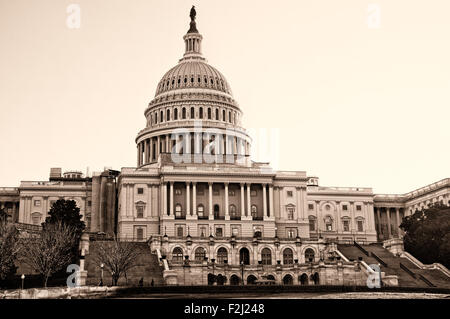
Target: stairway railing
[(408, 271), (425, 280), (381, 261), (361, 248)]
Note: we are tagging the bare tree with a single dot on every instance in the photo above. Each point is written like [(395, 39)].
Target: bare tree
[(50, 251), (9, 247), (117, 256)]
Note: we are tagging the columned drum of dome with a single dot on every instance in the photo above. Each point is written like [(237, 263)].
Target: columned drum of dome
[(193, 98)]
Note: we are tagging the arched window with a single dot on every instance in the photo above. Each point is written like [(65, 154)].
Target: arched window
[(183, 113), (288, 280), (209, 113), (200, 210), (312, 223), (223, 116), (175, 114), (168, 115), (200, 113), (200, 254), (178, 210), (244, 256), (156, 117), (288, 257), (177, 255), (222, 255), (266, 256), (229, 116), (217, 114), (192, 113), (309, 255), (161, 118)]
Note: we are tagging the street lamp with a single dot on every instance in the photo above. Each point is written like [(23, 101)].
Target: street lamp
[(23, 279), (101, 280), (242, 272)]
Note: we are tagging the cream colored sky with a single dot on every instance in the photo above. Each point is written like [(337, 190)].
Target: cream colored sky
[(356, 106)]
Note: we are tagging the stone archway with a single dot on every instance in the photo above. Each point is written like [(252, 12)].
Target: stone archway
[(288, 280), (251, 280), (221, 280), (303, 279), (234, 280), (244, 256)]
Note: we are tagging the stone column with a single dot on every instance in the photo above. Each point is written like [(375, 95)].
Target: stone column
[(389, 222), (188, 199), (138, 152), (150, 147), (271, 212), (158, 148), (249, 208), (168, 148), (379, 220), (164, 204), (226, 201), (397, 215), (194, 198), (243, 212), (210, 210), (264, 201), (150, 201), (146, 151), (171, 198)]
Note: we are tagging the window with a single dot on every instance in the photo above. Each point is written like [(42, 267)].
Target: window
[(266, 256), (312, 223), (346, 224), (328, 223), (180, 231), (140, 191), (175, 114), (140, 234), (290, 211), (311, 206), (219, 232), (203, 231), (209, 113), (254, 210), (327, 207), (309, 255), (200, 111), (288, 257), (178, 210), (200, 210), (161, 118), (229, 117), (89, 203), (291, 232), (37, 203), (183, 113), (177, 255), (140, 211), (358, 207), (192, 113), (223, 116), (222, 255), (344, 207), (200, 254), (257, 231), (360, 224), (217, 114), (289, 193), (232, 210), (235, 231)]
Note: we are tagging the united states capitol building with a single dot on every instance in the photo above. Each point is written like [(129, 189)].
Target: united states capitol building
[(205, 207)]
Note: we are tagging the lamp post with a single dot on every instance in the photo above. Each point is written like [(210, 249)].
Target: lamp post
[(23, 280), (242, 272), (214, 275), (101, 279)]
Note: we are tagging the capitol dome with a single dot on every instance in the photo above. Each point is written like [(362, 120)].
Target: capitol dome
[(189, 95), (193, 73)]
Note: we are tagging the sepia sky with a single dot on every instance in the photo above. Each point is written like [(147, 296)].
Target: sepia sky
[(356, 103)]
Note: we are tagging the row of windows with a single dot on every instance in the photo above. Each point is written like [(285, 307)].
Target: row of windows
[(200, 191), (37, 203), (192, 81), (328, 207), (329, 224), (222, 255), (161, 116)]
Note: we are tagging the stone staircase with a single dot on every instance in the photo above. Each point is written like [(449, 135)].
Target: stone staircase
[(409, 277), (147, 268)]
